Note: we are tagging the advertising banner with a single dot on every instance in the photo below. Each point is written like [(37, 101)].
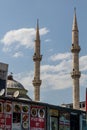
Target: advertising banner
[(16, 123), (8, 115), (53, 123), (2, 115), (3, 77), (64, 121), (25, 117), (37, 118)]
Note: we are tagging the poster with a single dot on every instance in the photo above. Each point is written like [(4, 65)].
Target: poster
[(53, 119), (64, 121), (25, 117), (3, 77), (37, 118), (16, 123), (53, 123), (2, 115), (8, 115)]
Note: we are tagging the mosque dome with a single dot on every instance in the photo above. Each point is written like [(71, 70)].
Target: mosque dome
[(13, 86), (11, 83)]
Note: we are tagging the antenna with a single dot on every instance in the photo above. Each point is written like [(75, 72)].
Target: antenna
[(2, 92), (16, 93)]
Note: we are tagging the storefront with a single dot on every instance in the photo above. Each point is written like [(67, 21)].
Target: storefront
[(18, 114)]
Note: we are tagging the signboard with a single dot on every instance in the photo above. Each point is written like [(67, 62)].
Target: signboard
[(64, 121), (3, 77), (8, 115), (37, 118), (53, 123), (2, 115), (25, 117), (16, 125)]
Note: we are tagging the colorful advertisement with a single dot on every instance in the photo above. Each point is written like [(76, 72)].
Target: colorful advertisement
[(25, 117), (16, 123), (2, 121), (53, 119), (53, 123), (84, 122), (8, 116), (3, 77), (2, 115), (64, 121), (37, 118)]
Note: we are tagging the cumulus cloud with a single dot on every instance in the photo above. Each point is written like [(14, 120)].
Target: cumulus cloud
[(18, 54), (56, 76), (21, 37), (60, 56), (25, 78), (53, 76), (83, 63)]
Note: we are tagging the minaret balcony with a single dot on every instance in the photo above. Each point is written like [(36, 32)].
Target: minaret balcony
[(75, 74), (37, 82), (37, 58), (75, 48)]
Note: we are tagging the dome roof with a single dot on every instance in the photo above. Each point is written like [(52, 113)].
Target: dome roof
[(11, 83), (13, 86)]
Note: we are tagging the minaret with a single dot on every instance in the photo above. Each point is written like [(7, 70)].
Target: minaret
[(75, 74), (37, 58)]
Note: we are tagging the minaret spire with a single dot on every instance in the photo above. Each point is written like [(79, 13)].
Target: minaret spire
[(75, 49), (75, 26), (37, 58), (37, 31)]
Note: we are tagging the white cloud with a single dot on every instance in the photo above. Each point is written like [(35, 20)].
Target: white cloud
[(18, 54), (60, 56), (47, 40), (25, 78), (21, 37), (55, 77), (83, 63)]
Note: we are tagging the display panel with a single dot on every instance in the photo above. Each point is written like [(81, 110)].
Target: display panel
[(25, 117), (16, 125), (64, 121), (8, 115), (53, 123), (2, 115), (84, 122), (53, 115), (37, 118)]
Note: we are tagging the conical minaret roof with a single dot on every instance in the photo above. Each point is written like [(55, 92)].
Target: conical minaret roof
[(37, 31), (75, 25)]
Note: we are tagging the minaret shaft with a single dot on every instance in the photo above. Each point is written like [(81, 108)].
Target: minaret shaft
[(37, 70), (75, 49), (37, 58), (76, 94), (75, 61)]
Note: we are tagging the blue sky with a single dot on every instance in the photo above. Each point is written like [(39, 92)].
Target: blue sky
[(17, 34)]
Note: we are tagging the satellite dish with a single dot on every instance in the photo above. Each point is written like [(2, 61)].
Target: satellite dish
[(16, 93), (2, 92)]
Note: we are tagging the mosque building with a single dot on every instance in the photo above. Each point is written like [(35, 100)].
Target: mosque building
[(19, 112), (14, 86)]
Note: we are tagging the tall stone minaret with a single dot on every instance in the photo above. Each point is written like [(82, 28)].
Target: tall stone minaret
[(75, 74), (37, 58)]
